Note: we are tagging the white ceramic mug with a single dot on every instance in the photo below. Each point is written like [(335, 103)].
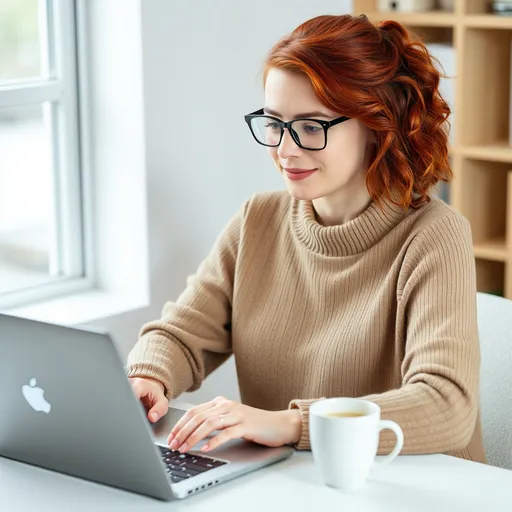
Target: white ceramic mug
[(344, 448)]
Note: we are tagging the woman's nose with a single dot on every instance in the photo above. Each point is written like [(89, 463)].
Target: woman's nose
[(288, 146)]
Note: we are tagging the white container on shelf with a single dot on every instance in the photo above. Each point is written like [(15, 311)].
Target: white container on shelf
[(502, 7), (406, 5), (445, 54)]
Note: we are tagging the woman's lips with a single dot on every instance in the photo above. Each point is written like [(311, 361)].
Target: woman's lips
[(298, 174)]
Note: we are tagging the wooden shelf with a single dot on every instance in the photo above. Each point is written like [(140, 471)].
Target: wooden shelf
[(497, 152), (416, 19), (488, 21), (481, 157), (494, 250)]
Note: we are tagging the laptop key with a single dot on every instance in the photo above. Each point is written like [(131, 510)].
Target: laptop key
[(185, 457), (188, 465), (192, 472), (197, 467), (181, 474), (213, 464), (198, 460)]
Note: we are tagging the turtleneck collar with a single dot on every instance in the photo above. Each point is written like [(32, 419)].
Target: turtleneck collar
[(352, 237)]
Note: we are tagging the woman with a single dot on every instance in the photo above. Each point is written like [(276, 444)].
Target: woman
[(353, 283)]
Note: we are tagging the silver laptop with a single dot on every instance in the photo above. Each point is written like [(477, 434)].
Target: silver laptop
[(66, 405)]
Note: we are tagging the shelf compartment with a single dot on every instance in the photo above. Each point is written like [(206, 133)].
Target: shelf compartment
[(423, 25), (483, 113), (472, 7), (484, 203), (494, 249), (490, 277)]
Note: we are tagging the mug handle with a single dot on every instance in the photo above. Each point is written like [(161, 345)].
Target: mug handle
[(391, 425)]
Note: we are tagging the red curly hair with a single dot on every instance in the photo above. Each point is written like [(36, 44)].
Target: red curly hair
[(385, 78)]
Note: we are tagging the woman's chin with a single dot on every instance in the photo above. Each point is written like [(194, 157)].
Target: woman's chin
[(302, 193)]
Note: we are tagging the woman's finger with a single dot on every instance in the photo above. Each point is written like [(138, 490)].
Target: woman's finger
[(193, 424), (181, 435), (189, 415), (211, 424), (235, 432)]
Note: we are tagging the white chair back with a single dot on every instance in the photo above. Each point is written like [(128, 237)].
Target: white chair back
[(495, 329)]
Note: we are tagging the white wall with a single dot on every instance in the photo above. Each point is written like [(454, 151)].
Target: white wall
[(201, 74), (114, 96)]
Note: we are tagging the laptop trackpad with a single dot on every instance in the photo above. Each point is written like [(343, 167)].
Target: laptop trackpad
[(162, 428)]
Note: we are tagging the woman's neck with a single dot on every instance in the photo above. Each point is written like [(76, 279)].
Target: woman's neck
[(341, 207)]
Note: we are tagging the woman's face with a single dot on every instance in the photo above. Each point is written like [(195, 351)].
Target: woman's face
[(336, 170)]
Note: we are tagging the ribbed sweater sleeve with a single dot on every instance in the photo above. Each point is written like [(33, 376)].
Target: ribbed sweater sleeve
[(193, 336), (437, 403)]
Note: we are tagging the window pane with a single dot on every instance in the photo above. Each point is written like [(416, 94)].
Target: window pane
[(26, 197), (22, 39)]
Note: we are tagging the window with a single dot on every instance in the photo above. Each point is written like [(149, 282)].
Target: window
[(41, 228)]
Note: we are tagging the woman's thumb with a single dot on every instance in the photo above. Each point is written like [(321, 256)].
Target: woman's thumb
[(159, 409)]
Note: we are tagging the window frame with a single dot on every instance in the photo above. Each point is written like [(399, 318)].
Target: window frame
[(58, 92)]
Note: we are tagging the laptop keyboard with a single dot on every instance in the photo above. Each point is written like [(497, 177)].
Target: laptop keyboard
[(181, 466)]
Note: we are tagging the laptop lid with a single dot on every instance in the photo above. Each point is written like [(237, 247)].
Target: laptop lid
[(66, 405)]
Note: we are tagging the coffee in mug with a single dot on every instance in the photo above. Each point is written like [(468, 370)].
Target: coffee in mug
[(344, 414)]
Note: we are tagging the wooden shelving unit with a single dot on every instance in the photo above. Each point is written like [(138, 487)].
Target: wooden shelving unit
[(481, 155)]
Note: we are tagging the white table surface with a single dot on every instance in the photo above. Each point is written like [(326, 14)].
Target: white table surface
[(410, 483), (428, 483)]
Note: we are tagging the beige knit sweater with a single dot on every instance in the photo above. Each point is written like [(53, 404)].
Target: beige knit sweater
[(382, 307)]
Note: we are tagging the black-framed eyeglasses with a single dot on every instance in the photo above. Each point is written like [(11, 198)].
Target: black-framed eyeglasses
[(310, 134)]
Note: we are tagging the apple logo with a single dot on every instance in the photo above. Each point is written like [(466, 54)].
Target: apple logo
[(35, 397)]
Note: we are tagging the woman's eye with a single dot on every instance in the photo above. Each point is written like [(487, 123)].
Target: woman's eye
[(272, 126), (312, 128)]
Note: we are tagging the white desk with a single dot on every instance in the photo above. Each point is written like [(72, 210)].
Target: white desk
[(411, 484)]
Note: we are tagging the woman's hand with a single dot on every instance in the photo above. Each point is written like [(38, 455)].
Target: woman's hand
[(234, 421), (151, 393)]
